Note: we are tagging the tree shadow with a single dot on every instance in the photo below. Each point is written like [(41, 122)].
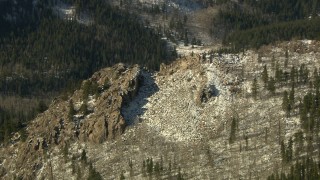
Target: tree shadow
[(132, 110)]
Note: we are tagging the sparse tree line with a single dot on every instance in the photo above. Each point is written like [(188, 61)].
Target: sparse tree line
[(283, 77), (79, 164), (149, 168), (306, 168), (307, 108), (154, 169)]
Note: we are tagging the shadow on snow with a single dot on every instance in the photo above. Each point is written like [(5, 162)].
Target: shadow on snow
[(135, 108)]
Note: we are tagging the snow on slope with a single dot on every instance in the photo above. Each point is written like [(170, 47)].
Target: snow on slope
[(68, 13), (171, 107), (183, 5)]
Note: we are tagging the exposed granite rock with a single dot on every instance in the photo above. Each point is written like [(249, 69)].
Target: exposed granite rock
[(106, 121), (110, 89), (103, 119)]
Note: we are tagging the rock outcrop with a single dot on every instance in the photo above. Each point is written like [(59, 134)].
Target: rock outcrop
[(91, 114), (101, 119), (107, 122)]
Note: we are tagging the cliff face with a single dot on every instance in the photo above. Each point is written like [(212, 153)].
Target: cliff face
[(106, 121), (91, 114)]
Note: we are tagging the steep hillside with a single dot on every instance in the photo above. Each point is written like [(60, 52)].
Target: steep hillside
[(92, 115), (206, 116)]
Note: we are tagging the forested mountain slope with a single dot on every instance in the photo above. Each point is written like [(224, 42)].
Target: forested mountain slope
[(250, 23), (42, 55)]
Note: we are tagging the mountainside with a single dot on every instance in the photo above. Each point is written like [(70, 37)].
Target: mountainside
[(160, 89), (200, 117)]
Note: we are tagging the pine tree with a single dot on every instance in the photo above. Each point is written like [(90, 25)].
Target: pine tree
[(161, 164), (65, 152), (143, 170), (286, 106), (301, 73), (41, 106), (149, 164), (273, 62), (233, 131), (130, 163), (316, 78), (84, 156), (255, 88), (84, 108), (85, 90), (122, 176), (285, 101), (286, 59), (93, 174), (278, 73), (247, 141), (265, 76), (298, 138), (304, 113), (306, 75), (283, 151), (186, 40), (291, 97), (292, 75), (71, 112), (271, 85), (157, 169), (289, 152), (259, 58), (179, 177), (266, 135)]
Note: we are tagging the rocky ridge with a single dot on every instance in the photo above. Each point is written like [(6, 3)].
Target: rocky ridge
[(100, 120)]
